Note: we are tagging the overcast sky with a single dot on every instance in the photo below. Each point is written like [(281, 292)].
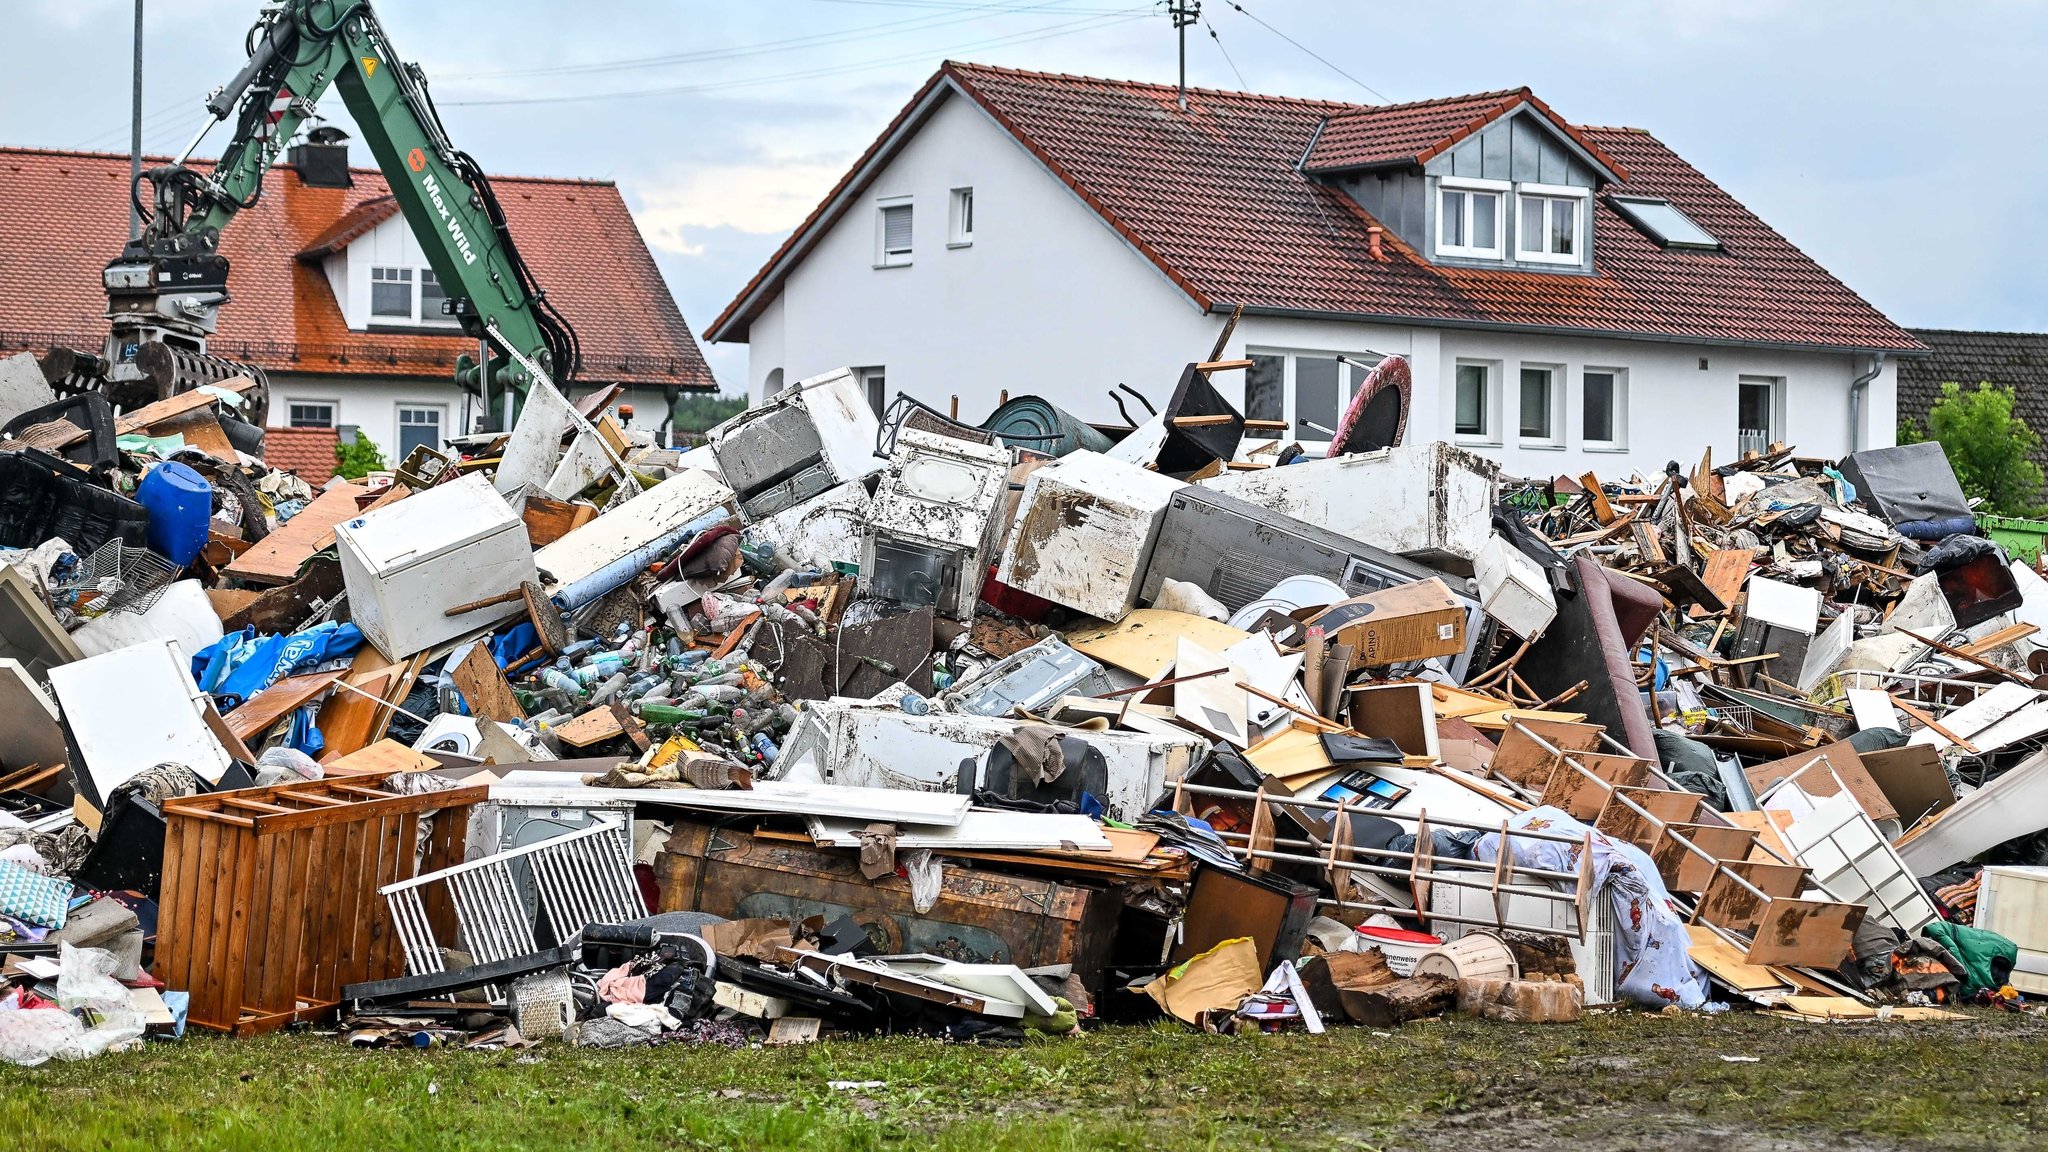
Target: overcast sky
[(1897, 142)]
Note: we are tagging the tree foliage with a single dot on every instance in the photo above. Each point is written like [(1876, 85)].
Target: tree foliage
[(1989, 447), (357, 459)]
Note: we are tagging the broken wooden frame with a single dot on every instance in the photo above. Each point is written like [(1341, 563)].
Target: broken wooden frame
[(269, 898), (1729, 900), (1262, 848)]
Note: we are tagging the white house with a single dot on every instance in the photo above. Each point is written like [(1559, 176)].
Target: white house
[(1569, 298)]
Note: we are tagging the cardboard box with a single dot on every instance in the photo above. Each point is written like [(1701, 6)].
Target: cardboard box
[(1913, 779), (1407, 622)]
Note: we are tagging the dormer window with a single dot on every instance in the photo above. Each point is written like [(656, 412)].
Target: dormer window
[(393, 300), (1470, 217), (1548, 224)]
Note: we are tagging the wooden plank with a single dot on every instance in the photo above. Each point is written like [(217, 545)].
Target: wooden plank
[(484, 687), (1523, 761), (386, 497), (1624, 822), (1583, 798), (1684, 870), (276, 559), (589, 728), (1602, 510), (1805, 933), (156, 413), (384, 756), (345, 717), (1725, 963), (548, 519), (260, 712)]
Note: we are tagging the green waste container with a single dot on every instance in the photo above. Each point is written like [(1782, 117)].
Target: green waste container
[(2021, 539)]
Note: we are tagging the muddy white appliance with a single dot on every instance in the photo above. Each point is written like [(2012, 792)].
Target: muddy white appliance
[(870, 746), (933, 524), (406, 564), (1084, 532), (1431, 502), (816, 435)]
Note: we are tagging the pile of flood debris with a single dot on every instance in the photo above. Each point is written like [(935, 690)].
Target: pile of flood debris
[(847, 724)]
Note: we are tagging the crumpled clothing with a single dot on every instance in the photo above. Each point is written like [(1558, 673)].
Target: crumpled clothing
[(621, 986), (241, 664), (1649, 931), (63, 851), (1036, 749), (648, 1018), (157, 783)]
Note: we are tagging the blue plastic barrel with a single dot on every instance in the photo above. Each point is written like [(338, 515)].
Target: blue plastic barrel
[(180, 502)]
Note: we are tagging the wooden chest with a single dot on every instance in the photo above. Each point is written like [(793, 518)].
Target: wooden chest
[(982, 917)]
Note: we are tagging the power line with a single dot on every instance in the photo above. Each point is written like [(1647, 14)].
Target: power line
[(1311, 52), (1091, 24), (965, 14), (1218, 40)]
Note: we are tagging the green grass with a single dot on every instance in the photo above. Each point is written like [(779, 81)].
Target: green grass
[(1616, 1081)]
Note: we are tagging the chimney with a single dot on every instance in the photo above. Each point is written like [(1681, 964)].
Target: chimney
[(1372, 243), (321, 159)]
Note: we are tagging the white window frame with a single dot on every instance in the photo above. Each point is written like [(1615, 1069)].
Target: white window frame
[(1618, 415), (434, 319), (867, 377), (1553, 400), (1551, 195), (1776, 432), (333, 412), (959, 218), (1502, 191), (1297, 432), (412, 294), (1491, 438), (883, 257), (399, 425)]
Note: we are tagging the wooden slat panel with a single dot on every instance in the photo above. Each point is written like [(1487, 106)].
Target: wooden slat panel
[(276, 559)]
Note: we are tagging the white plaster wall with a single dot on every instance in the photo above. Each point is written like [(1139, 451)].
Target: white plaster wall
[(1675, 409), (1048, 300), (371, 404)]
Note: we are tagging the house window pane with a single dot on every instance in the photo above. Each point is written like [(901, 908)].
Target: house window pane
[(1599, 407), (1471, 415), (1531, 229), (1485, 208), (875, 382), (1315, 397), (417, 427), (1265, 396), (1453, 231), (1564, 220), (1536, 403), (391, 292), (431, 296), (302, 415), (896, 230)]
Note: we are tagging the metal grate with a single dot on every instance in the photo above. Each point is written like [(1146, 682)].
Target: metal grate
[(581, 878), (115, 578)]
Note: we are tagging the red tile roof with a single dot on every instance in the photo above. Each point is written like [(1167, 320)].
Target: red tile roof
[(353, 223), (1417, 133), (1214, 197), (306, 451), (66, 215)]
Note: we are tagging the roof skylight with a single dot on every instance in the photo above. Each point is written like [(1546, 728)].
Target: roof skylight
[(1664, 223)]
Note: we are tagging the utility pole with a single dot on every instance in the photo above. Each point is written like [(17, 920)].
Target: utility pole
[(1184, 13), (135, 134)]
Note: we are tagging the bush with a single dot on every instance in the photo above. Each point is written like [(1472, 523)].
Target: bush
[(353, 461), (1988, 446)]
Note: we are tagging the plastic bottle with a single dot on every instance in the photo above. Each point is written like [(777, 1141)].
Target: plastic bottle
[(608, 689), (559, 681), (914, 704), (766, 747)]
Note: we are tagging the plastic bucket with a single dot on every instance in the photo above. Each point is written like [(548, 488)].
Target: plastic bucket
[(1471, 955), (180, 502), (1401, 947)]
